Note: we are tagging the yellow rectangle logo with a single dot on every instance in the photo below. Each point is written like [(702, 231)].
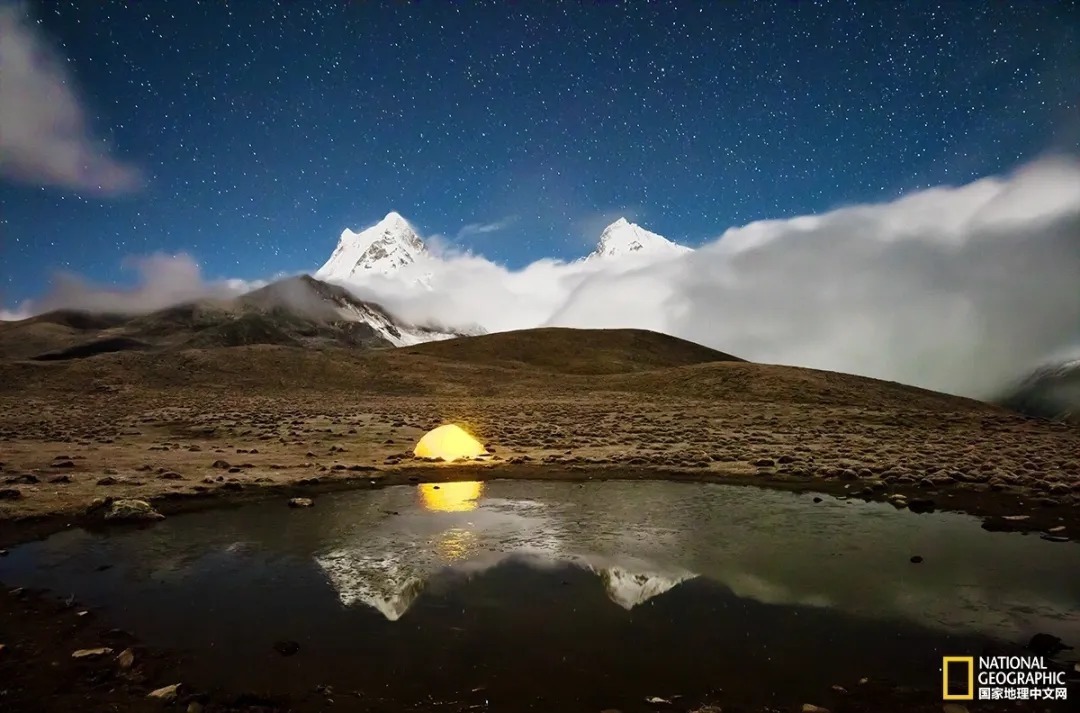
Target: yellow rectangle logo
[(955, 661)]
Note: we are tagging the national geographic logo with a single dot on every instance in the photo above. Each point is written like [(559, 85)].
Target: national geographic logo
[(958, 678), (997, 678)]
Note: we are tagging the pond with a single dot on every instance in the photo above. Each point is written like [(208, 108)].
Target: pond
[(575, 596)]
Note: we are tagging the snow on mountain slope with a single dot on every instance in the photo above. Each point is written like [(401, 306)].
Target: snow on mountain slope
[(623, 238), (382, 249), (1051, 391), (384, 583), (629, 588), (326, 303)]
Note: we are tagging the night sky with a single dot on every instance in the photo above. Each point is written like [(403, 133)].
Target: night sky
[(262, 129)]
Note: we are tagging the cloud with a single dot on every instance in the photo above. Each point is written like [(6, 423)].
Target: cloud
[(958, 289), (161, 281), (481, 228), (44, 136)]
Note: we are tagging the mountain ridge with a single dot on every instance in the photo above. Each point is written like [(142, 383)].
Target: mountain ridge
[(298, 311)]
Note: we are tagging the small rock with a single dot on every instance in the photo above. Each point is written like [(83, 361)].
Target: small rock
[(1053, 538), (764, 462), (91, 653), (1055, 530), (126, 659), (220, 464), (108, 480), (657, 701), (132, 510), (3, 553), (1016, 518), (953, 708), (817, 499), (811, 708), (10, 494), (916, 559), (301, 502), (194, 707), (3, 647), (171, 475), (166, 693), (60, 479)]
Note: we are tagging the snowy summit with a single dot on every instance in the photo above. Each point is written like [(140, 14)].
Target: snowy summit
[(382, 249), (623, 238)]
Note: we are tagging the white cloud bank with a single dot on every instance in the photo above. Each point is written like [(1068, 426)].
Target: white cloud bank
[(44, 136), (955, 289), (162, 280)]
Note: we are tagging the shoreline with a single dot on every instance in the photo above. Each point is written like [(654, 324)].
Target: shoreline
[(1031, 512), (41, 631)]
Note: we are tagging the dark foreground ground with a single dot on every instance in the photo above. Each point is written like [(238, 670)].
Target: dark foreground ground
[(214, 428)]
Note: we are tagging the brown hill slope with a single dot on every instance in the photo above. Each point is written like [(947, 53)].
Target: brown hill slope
[(554, 363), (574, 351)]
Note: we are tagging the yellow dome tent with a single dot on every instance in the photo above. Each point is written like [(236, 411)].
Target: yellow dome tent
[(448, 442)]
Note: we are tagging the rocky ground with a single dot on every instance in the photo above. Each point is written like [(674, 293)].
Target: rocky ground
[(192, 447), (199, 430)]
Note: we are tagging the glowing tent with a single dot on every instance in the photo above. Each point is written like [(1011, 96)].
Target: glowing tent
[(448, 442)]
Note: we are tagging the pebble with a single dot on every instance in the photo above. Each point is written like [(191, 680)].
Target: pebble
[(194, 707), (301, 502), (126, 659), (953, 708), (166, 693), (91, 653), (811, 708), (916, 559)]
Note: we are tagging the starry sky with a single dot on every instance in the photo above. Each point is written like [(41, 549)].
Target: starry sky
[(518, 129)]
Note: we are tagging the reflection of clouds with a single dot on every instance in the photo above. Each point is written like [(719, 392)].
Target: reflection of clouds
[(751, 586), (379, 547)]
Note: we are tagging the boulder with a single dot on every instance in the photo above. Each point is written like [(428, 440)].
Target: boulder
[(132, 510)]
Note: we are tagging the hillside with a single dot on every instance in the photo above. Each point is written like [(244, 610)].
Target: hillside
[(574, 351), (299, 312), (555, 363)]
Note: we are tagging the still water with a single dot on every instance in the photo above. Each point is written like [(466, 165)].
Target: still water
[(578, 596)]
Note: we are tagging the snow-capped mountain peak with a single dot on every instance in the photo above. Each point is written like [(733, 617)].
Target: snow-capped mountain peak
[(623, 238), (382, 249)]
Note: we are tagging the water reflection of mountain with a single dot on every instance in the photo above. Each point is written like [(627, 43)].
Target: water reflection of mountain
[(770, 546), (390, 583)]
